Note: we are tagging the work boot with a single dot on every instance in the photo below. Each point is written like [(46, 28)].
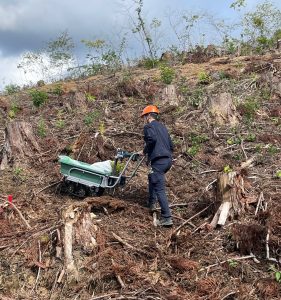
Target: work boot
[(152, 207), (165, 222)]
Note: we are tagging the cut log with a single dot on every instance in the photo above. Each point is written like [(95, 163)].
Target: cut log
[(20, 143)]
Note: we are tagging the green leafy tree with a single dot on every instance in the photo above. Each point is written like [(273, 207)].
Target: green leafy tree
[(261, 26)]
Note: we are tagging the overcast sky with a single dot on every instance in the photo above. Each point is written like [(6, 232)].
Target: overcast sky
[(26, 25)]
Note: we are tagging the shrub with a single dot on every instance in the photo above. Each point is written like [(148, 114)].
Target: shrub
[(203, 77), (167, 74), (265, 93), (234, 140), (193, 150), (118, 168), (102, 128), (18, 173), (60, 123), (272, 150), (223, 75), (91, 117), (11, 89), (227, 169), (150, 63), (38, 97), (196, 98), (42, 130), (90, 97), (57, 90), (251, 137), (196, 140), (13, 110), (249, 108)]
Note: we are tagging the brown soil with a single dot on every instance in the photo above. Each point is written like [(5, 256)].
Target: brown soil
[(151, 263)]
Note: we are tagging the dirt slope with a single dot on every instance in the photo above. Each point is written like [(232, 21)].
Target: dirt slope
[(89, 119)]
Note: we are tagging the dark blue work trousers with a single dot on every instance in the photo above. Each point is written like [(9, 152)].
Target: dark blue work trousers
[(157, 186)]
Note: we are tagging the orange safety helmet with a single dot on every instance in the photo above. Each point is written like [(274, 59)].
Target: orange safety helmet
[(150, 109)]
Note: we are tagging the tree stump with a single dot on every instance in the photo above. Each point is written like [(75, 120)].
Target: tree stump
[(169, 95), (79, 231), (20, 142), (78, 100), (231, 196), (223, 110)]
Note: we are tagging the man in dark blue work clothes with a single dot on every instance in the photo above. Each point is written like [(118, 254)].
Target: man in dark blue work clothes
[(158, 148)]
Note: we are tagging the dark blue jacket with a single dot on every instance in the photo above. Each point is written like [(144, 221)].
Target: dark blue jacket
[(158, 142)]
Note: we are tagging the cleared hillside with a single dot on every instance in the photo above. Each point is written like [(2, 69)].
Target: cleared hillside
[(220, 113)]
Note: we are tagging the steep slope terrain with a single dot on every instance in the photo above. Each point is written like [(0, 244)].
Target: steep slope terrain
[(220, 114)]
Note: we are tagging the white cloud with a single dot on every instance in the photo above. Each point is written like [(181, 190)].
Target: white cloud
[(10, 15), (26, 24), (10, 74)]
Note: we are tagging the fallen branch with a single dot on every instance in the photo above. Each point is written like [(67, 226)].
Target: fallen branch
[(259, 202), (119, 239), (80, 151), (104, 296), (179, 205), (227, 260), (61, 276), (248, 163), (187, 221), (211, 183), (118, 277), (126, 132), (208, 171), (34, 234), (39, 268), (227, 295), (19, 213), (199, 227), (48, 186)]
